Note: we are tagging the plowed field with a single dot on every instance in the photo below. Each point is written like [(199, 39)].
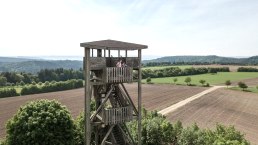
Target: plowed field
[(224, 106), (154, 97)]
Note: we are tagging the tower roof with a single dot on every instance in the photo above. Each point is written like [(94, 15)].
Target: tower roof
[(113, 45)]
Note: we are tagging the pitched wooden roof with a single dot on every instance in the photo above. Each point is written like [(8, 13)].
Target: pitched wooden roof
[(113, 45)]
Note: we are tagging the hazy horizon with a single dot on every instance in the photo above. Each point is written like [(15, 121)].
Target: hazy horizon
[(145, 57)]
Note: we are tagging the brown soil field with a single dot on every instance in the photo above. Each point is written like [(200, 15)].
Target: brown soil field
[(249, 82), (224, 106), (154, 97)]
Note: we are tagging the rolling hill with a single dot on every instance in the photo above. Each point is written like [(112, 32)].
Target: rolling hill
[(210, 59), (34, 65)]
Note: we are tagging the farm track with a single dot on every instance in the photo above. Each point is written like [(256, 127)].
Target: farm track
[(224, 106), (154, 97)]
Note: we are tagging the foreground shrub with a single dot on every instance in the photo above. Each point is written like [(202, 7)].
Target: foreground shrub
[(2, 142), (8, 92), (41, 122)]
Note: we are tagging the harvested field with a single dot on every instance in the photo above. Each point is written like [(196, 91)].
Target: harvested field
[(160, 96), (249, 82), (154, 97), (224, 106)]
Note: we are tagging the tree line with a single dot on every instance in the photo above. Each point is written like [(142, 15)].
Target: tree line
[(59, 74), (42, 88), (176, 71), (247, 69)]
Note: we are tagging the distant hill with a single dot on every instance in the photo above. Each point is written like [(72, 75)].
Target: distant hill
[(34, 65), (14, 59), (210, 59)]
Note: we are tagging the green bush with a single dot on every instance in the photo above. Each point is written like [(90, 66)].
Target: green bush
[(242, 85), (148, 80), (41, 122), (8, 92), (2, 142), (31, 89), (188, 80)]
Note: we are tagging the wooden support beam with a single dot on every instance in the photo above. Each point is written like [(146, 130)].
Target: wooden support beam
[(128, 97), (106, 136), (102, 104), (87, 97), (139, 98)]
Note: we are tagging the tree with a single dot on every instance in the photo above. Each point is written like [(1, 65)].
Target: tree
[(242, 85), (188, 80), (41, 122), (202, 82), (175, 80), (228, 83), (148, 80), (3, 81)]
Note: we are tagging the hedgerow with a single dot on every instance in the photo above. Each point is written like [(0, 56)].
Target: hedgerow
[(8, 92), (52, 87)]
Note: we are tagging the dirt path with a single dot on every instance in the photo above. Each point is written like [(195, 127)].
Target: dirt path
[(188, 100)]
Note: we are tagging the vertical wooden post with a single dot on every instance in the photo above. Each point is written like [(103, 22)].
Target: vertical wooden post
[(87, 97), (92, 52), (125, 53), (118, 53), (109, 53), (140, 98)]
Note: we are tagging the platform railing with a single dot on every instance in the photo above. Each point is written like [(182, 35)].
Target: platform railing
[(119, 74), (117, 115)]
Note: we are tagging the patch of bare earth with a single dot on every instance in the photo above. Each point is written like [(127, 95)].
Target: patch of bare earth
[(222, 106), (154, 97), (249, 82)]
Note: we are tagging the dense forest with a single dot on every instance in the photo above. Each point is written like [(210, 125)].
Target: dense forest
[(210, 59), (59, 74), (8, 64)]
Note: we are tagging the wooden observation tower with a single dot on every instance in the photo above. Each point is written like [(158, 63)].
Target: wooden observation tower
[(104, 78)]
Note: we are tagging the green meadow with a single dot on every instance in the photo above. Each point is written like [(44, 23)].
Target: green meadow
[(162, 67), (249, 89), (212, 79)]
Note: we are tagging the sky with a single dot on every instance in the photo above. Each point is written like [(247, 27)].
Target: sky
[(168, 27)]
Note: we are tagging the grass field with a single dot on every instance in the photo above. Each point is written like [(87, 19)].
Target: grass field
[(232, 68), (212, 79), (162, 67), (249, 89)]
